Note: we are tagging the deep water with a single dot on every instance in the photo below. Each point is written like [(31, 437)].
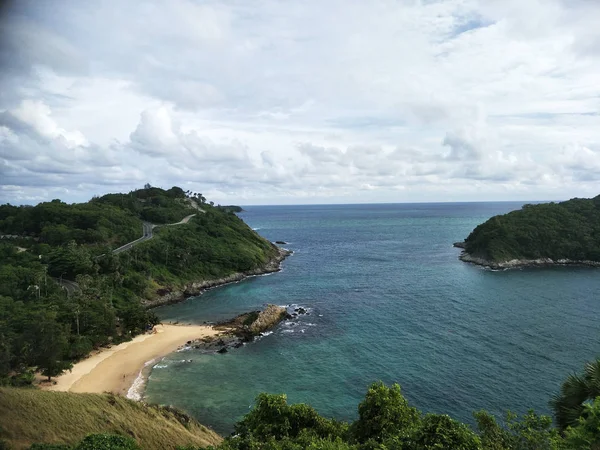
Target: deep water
[(388, 300)]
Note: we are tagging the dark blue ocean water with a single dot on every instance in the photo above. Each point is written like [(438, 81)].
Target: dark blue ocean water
[(388, 300)]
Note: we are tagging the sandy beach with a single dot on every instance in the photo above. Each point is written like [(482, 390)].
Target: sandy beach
[(115, 369)]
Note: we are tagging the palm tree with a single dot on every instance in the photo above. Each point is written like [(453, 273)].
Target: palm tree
[(575, 391)]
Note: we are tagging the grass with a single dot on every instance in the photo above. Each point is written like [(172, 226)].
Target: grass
[(31, 415)]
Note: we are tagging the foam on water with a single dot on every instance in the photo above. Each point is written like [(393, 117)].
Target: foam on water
[(136, 391)]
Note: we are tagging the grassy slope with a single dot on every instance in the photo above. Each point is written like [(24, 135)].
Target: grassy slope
[(31, 415)]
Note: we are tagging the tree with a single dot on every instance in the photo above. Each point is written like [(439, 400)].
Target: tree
[(5, 355), (568, 405), (384, 413), (439, 431), (273, 418), (49, 344)]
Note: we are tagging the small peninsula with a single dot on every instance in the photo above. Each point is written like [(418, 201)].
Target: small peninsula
[(565, 233)]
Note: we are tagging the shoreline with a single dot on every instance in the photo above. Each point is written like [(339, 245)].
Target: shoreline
[(198, 288), (117, 369), (524, 263)]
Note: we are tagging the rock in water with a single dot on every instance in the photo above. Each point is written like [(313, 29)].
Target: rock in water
[(268, 318)]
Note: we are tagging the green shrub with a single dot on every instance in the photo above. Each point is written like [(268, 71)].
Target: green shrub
[(107, 442)]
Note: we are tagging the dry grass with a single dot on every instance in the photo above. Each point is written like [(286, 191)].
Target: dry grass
[(31, 415)]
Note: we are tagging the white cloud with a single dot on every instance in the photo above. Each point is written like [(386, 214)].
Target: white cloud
[(312, 101)]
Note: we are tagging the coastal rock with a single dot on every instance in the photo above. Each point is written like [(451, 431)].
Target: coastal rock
[(281, 242), (461, 244), (268, 318), (521, 263), (241, 329)]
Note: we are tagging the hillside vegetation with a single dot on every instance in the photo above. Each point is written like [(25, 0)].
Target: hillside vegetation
[(48, 324), (567, 230), (28, 416)]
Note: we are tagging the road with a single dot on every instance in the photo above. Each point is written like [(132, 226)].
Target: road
[(147, 227), (147, 234), (69, 286), (147, 230)]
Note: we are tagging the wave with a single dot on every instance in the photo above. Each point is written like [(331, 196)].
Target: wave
[(135, 392)]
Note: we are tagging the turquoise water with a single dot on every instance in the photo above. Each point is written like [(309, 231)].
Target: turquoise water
[(388, 300)]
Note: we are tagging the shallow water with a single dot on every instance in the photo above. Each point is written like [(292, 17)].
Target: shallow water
[(389, 300)]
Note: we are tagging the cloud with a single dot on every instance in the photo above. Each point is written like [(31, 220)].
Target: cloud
[(278, 102), (154, 135)]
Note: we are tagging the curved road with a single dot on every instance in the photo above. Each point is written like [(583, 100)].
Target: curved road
[(147, 227), (147, 233)]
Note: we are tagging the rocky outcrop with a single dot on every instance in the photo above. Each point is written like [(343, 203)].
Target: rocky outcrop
[(461, 244), (268, 318), (167, 296), (241, 329), (520, 263)]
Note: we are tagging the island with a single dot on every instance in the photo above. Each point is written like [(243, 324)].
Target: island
[(564, 233)]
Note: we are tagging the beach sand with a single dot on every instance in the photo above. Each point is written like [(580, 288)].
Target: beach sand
[(115, 369)]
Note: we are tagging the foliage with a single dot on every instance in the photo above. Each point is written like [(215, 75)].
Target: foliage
[(107, 442), (67, 293), (532, 432), (438, 431), (273, 418), (585, 433), (387, 422), (566, 230), (384, 412), (569, 404)]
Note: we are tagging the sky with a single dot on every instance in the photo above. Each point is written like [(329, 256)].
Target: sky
[(299, 102)]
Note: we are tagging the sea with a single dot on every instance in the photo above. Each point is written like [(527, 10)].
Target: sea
[(387, 299)]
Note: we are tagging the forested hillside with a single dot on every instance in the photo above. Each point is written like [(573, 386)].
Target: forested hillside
[(64, 292), (566, 230)]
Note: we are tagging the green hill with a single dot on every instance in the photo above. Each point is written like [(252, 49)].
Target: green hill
[(30, 416), (64, 291), (565, 232)]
